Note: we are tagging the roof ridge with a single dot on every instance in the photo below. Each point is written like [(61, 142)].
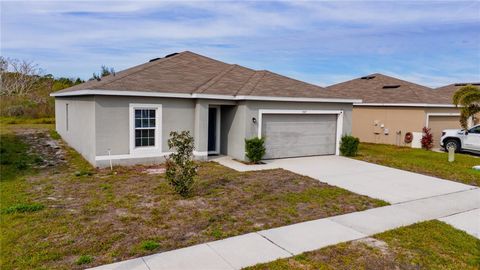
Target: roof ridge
[(203, 87), (290, 78), (148, 65), (253, 80), (407, 82), (208, 58), (263, 73)]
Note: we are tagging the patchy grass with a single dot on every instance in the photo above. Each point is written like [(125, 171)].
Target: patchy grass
[(427, 245), (25, 120), (422, 161), (23, 208), (84, 259), (14, 159), (150, 245), (111, 215)]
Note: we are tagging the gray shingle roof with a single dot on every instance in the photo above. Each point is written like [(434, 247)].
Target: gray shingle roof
[(445, 93), (379, 88), (187, 72)]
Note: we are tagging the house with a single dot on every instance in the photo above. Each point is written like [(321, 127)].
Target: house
[(126, 118), (392, 107)]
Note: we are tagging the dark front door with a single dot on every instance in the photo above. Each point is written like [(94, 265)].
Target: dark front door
[(212, 130)]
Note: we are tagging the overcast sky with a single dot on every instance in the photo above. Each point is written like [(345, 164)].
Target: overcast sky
[(429, 42)]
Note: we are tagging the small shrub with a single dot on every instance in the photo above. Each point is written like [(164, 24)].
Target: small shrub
[(84, 259), (180, 167), (349, 146), (427, 139), (255, 149), (23, 208), (149, 245)]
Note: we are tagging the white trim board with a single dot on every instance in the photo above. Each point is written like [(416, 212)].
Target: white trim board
[(405, 105), (339, 114), (153, 155), (138, 151), (196, 95)]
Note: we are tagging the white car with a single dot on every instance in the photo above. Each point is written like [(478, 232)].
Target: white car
[(461, 139)]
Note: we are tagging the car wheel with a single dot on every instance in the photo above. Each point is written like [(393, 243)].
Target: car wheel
[(452, 143)]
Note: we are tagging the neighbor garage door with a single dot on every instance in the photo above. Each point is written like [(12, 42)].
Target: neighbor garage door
[(296, 135), (439, 123)]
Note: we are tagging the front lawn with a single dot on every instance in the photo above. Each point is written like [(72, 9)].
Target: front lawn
[(57, 212), (426, 245), (422, 161)]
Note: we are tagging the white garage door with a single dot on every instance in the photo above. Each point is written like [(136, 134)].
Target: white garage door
[(296, 135)]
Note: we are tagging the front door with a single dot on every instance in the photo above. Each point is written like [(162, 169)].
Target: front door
[(213, 130)]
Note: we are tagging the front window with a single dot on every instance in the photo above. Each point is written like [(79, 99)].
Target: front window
[(145, 127)]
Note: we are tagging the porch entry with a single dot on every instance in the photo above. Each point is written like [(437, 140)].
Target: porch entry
[(213, 130)]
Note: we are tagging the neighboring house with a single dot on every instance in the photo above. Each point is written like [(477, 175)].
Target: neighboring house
[(392, 107), (127, 117)]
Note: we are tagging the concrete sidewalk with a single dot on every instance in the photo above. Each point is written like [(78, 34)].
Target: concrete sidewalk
[(268, 245)]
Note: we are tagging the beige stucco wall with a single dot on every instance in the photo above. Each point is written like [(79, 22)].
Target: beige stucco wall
[(367, 123), (395, 119)]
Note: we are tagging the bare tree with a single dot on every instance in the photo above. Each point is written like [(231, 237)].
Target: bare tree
[(18, 77)]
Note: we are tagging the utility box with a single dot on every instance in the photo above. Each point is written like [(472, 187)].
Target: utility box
[(417, 140)]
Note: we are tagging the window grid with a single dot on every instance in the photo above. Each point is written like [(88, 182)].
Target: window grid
[(145, 124)]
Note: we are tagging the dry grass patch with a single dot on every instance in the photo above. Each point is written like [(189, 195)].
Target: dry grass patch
[(426, 245), (92, 217)]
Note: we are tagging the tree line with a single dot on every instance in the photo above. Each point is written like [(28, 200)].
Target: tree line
[(25, 88)]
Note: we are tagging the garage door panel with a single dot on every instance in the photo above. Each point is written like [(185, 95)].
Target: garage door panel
[(438, 123), (299, 135)]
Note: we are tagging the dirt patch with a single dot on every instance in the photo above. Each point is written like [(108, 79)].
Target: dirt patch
[(50, 151), (374, 243)]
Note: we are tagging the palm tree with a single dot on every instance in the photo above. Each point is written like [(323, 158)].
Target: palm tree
[(469, 98)]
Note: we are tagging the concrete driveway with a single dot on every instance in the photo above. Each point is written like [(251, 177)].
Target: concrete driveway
[(389, 184)]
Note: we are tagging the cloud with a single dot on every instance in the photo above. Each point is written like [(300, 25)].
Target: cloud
[(321, 42)]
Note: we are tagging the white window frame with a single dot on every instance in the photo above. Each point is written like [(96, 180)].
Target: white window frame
[(217, 142), (339, 114), (157, 148)]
